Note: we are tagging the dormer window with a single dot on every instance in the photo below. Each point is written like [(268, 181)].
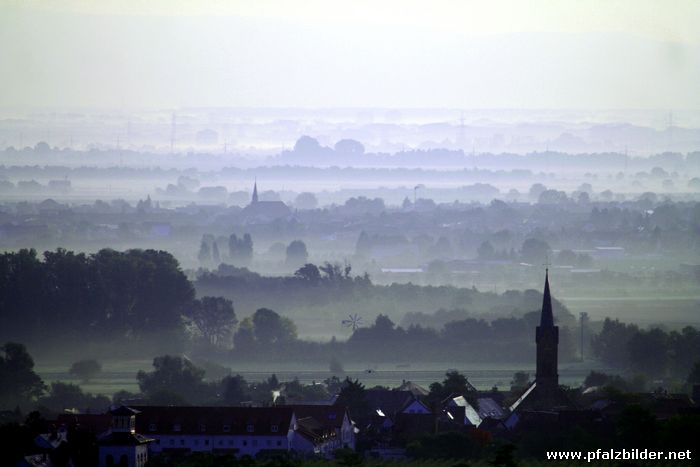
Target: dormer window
[(250, 428), (227, 428), (274, 428), (177, 427)]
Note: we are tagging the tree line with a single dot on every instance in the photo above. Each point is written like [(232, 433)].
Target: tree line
[(654, 352)]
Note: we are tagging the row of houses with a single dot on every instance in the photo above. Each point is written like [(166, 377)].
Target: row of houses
[(128, 436)]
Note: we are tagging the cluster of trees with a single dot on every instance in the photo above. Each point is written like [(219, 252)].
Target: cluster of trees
[(470, 339), (104, 295), (134, 296), (215, 319), (653, 352), (264, 330), (18, 381), (269, 336), (310, 284), (533, 251), (85, 369), (296, 254), (616, 384), (174, 380), (21, 387), (331, 291), (240, 249)]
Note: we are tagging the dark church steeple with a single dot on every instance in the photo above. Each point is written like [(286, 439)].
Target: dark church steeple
[(547, 318), (255, 193), (547, 338)]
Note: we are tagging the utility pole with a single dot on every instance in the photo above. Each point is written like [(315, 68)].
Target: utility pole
[(584, 320)]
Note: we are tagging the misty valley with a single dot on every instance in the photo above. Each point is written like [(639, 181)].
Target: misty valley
[(291, 233), (198, 287)]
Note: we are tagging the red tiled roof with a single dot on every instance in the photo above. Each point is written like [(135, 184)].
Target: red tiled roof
[(251, 421)]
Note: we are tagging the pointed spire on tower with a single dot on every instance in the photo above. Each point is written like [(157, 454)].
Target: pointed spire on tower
[(547, 318), (255, 191)]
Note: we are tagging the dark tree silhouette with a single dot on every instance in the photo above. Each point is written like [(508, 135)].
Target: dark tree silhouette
[(173, 374), (349, 146), (18, 382), (535, 251), (215, 318), (235, 390), (85, 369), (296, 254), (105, 295), (270, 327), (309, 273), (240, 250), (353, 396), (204, 255)]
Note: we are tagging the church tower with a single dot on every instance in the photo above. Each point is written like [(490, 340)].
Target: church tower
[(255, 193), (547, 339)]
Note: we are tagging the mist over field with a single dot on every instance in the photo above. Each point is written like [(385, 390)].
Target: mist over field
[(488, 207)]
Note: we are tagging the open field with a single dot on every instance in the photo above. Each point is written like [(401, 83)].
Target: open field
[(672, 312), (121, 375)]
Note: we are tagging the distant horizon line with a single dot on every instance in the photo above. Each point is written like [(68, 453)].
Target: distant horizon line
[(312, 108)]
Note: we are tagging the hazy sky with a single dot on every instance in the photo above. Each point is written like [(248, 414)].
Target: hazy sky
[(437, 53)]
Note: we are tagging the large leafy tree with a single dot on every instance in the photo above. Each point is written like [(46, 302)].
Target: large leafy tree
[(85, 369), (173, 374), (535, 251), (270, 327), (18, 382), (105, 295), (63, 396), (296, 254), (235, 390), (611, 344), (240, 249), (694, 375), (22, 293), (353, 396), (649, 352), (309, 273), (215, 318), (454, 384)]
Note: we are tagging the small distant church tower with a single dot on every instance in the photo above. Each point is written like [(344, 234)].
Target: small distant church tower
[(547, 339), (255, 193), (121, 446)]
